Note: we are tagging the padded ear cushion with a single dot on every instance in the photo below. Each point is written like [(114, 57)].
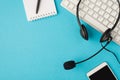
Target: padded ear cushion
[(106, 35), (83, 32)]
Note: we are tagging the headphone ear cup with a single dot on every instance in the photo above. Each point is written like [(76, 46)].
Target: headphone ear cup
[(83, 32), (106, 35)]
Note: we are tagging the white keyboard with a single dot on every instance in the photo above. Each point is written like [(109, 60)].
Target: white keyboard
[(100, 14)]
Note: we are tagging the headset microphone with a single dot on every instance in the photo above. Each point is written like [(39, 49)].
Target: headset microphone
[(71, 64)]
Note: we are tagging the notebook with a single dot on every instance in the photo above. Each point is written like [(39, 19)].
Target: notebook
[(46, 8)]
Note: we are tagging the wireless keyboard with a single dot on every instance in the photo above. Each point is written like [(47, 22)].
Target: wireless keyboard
[(100, 14)]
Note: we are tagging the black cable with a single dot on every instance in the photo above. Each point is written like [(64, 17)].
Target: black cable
[(111, 52), (77, 13), (95, 53)]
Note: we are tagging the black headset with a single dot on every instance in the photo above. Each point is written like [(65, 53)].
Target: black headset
[(106, 37)]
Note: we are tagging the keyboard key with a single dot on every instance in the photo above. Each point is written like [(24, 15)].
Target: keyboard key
[(117, 10), (115, 7), (81, 6), (118, 24), (106, 15), (110, 25), (111, 19), (105, 22), (116, 29), (91, 6), (65, 2), (90, 12), (75, 2), (99, 3), (119, 32), (95, 15), (109, 10), (81, 13), (113, 34), (104, 1), (117, 38), (110, 3), (86, 2), (71, 6), (113, 13), (103, 6), (100, 18), (85, 9), (74, 10), (96, 9), (101, 12)]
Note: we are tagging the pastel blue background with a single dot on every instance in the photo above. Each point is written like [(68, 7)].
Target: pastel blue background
[(37, 50)]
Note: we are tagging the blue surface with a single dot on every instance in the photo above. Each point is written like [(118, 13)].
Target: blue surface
[(37, 50)]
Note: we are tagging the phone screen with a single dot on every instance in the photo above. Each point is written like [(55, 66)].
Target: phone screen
[(103, 74)]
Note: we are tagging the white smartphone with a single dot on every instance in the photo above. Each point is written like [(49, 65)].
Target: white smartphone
[(101, 72)]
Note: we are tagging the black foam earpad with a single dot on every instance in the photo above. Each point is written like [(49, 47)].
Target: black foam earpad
[(106, 35), (69, 65), (83, 32)]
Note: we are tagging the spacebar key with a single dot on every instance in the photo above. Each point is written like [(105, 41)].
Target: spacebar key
[(95, 23)]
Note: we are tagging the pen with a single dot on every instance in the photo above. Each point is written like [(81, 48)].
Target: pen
[(38, 5)]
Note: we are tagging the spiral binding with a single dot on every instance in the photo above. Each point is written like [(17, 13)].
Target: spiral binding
[(42, 16)]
